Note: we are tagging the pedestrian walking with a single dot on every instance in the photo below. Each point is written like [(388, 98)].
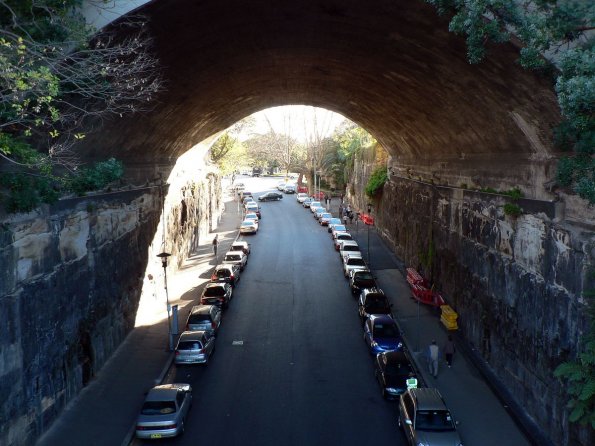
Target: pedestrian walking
[(340, 210), (350, 216), (215, 244), (345, 219), (449, 350), (433, 355)]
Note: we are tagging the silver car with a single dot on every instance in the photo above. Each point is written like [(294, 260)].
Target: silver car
[(194, 347), (353, 262), (204, 318), (164, 411), (237, 258), (426, 420)]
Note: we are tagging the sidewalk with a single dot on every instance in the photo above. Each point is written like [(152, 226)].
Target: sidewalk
[(92, 418), (486, 411)]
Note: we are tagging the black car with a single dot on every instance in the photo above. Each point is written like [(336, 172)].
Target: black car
[(373, 301), (392, 369), (228, 273), (216, 294), (358, 280), (270, 196)]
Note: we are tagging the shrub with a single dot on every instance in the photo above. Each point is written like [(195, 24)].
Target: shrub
[(376, 181)]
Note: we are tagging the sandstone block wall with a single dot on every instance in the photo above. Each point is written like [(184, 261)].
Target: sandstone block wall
[(515, 282)]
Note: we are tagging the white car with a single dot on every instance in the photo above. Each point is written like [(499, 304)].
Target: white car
[(248, 227), (348, 247), (251, 216), (281, 186), (352, 262), (314, 205), (301, 197), (236, 258)]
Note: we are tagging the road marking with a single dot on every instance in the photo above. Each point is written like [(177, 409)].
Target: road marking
[(237, 343)]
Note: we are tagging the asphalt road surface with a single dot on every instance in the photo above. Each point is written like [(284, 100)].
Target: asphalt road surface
[(290, 366)]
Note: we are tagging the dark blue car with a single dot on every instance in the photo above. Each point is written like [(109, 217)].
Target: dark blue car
[(382, 334)]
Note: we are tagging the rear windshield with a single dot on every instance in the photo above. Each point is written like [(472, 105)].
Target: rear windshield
[(214, 291), (189, 345), (158, 407), (363, 276), (222, 273), (233, 257), (236, 248), (197, 318), (350, 248), (433, 420), (344, 237), (356, 262)]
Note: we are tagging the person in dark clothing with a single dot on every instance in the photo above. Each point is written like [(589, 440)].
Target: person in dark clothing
[(449, 350), (215, 244)]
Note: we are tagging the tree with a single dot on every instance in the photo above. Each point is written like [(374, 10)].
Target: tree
[(56, 76), (562, 29)]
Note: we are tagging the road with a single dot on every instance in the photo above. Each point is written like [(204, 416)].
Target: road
[(290, 365)]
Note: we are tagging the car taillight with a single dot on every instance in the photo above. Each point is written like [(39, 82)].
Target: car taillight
[(202, 351), (213, 325), (213, 277), (232, 277), (177, 352)]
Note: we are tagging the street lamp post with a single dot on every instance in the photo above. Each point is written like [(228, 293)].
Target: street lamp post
[(163, 256)]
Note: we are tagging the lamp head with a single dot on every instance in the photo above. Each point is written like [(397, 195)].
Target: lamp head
[(163, 256)]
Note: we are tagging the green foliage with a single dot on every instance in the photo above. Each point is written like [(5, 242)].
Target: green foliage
[(578, 172), (96, 177), (563, 28), (580, 374), (512, 209), (376, 181), (23, 192)]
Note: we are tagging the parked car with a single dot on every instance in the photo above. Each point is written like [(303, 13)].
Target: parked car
[(251, 216), (338, 228), (270, 196), (246, 194), (204, 318), (248, 227), (372, 301), (240, 245), (338, 237), (348, 247), (164, 411), (306, 202), (237, 258), (314, 205), (253, 207), (426, 420), (319, 211), (281, 185), (216, 294), (248, 199), (392, 369), (381, 334), (360, 279), (334, 221), (289, 189), (325, 218), (194, 347), (301, 197), (353, 262), (227, 272)]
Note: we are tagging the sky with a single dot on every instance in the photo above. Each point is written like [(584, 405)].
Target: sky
[(298, 121)]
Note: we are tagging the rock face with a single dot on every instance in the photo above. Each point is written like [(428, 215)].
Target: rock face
[(71, 279), (516, 282)]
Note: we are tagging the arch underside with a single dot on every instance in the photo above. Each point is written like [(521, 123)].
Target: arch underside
[(391, 66)]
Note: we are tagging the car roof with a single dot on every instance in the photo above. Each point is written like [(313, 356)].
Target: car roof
[(215, 284), (238, 243), (382, 318), (201, 309), (349, 243), (164, 392), (192, 335), (428, 399), (248, 221), (396, 357)]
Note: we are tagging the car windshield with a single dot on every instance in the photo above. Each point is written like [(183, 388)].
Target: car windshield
[(158, 407), (236, 248), (385, 331), (233, 257), (356, 262), (340, 228), (362, 277), (222, 273), (433, 420), (247, 223), (351, 248), (214, 291)]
